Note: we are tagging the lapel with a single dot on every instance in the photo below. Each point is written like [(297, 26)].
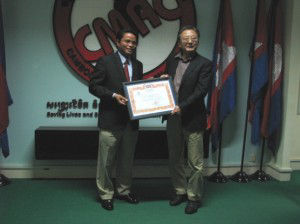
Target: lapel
[(193, 64), (119, 66), (173, 67), (134, 70)]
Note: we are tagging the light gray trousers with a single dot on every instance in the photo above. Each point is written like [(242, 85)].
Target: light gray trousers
[(177, 138), (115, 148)]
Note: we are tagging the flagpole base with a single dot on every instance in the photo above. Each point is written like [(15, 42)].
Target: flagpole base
[(240, 177), (3, 180), (261, 176), (218, 177)]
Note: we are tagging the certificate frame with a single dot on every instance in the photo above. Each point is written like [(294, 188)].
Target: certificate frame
[(150, 97)]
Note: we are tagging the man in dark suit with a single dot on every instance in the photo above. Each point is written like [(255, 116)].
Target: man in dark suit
[(191, 75), (118, 134)]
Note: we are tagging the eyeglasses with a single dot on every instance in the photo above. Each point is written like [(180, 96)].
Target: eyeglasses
[(187, 39)]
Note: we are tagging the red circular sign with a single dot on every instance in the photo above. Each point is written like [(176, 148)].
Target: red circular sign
[(130, 13)]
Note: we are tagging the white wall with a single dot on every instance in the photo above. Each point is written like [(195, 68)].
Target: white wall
[(37, 73), (290, 147)]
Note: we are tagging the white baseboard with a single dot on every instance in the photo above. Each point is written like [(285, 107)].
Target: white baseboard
[(295, 164), (279, 173), (139, 171)]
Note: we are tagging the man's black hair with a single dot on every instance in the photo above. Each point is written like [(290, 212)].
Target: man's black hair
[(122, 32), (188, 27)]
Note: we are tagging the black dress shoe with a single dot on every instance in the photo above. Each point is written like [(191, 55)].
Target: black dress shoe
[(192, 207), (3, 180), (130, 198), (107, 204), (178, 199)]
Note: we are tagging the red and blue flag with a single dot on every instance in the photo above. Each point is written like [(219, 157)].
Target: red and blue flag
[(222, 98), (5, 98), (272, 116), (259, 69)]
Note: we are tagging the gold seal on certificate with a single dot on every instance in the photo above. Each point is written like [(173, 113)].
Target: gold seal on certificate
[(149, 98)]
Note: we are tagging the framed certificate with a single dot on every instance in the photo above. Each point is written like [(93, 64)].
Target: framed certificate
[(149, 98)]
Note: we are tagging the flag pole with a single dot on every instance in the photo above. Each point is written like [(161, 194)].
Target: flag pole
[(218, 176), (3, 180), (260, 175), (241, 176)]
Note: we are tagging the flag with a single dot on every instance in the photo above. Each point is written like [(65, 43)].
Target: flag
[(259, 70), (5, 99), (222, 96), (272, 114)]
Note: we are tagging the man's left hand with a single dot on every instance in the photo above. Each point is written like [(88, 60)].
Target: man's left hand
[(176, 110)]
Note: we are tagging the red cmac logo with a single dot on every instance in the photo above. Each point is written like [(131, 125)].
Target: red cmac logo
[(85, 30)]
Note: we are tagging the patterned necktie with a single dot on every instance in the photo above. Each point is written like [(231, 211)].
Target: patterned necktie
[(126, 70)]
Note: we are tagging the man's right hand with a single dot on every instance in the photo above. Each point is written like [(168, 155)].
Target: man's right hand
[(164, 76), (120, 99)]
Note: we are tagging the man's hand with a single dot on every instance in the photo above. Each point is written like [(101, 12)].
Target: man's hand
[(121, 99), (164, 76), (176, 110)]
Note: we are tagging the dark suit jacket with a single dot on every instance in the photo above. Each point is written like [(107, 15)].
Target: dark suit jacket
[(194, 86), (106, 80)]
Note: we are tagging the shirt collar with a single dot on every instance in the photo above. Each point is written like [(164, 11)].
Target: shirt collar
[(123, 58), (179, 56)]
